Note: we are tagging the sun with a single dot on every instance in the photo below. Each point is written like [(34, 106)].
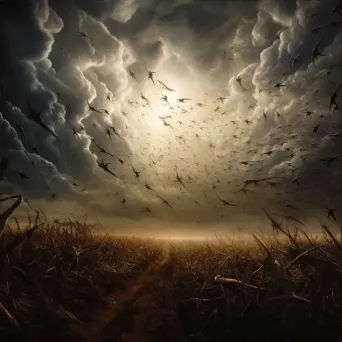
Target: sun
[(163, 106), (160, 118)]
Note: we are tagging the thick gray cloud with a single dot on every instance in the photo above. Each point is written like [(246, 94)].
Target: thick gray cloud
[(58, 55)]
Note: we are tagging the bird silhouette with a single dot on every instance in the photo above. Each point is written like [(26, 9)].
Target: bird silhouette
[(84, 35), (165, 202), (104, 166), (334, 96), (165, 86), (225, 202), (132, 74), (92, 108), (37, 117), (150, 76), (316, 53)]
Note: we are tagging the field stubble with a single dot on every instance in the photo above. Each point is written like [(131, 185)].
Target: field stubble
[(62, 282)]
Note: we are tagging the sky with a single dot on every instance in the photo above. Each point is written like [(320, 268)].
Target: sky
[(239, 91)]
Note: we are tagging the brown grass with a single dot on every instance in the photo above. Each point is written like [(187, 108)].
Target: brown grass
[(61, 282)]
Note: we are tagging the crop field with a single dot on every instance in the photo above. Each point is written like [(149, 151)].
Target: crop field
[(60, 281)]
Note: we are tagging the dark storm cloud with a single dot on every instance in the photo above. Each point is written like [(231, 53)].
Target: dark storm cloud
[(202, 45), (50, 81)]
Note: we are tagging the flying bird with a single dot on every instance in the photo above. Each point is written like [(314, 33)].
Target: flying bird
[(179, 179), (92, 108), (165, 202), (21, 131), (148, 187), (105, 110), (37, 117), (221, 98), (280, 85), (150, 76), (104, 167), (23, 175), (316, 53), (143, 97), (108, 132), (182, 100), (120, 160), (102, 150), (114, 130), (256, 181), (132, 74), (74, 132), (164, 98), (165, 86), (330, 160), (315, 129), (226, 202), (334, 96), (83, 34), (137, 174), (239, 80), (331, 213)]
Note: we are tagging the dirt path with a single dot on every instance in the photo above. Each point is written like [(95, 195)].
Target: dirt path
[(117, 303)]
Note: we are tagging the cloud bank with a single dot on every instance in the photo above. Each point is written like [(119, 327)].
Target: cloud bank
[(259, 79)]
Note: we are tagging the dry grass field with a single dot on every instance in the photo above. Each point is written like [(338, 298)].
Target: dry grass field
[(59, 281)]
